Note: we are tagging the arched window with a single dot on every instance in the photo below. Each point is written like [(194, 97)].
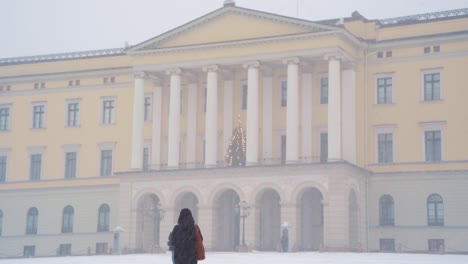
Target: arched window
[(31, 223), (435, 210), (67, 219), (387, 212), (1, 222), (103, 218)]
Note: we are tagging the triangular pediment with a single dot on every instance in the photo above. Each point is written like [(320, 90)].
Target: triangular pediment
[(230, 24)]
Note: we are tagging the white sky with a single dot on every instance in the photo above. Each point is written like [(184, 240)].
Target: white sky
[(33, 27)]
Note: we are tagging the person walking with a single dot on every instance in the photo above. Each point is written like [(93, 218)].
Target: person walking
[(182, 239)]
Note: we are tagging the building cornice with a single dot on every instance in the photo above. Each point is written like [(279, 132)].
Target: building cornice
[(67, 89), (65, 75), (418, 41)]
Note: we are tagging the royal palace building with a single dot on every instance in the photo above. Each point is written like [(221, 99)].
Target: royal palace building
[(356, 138)]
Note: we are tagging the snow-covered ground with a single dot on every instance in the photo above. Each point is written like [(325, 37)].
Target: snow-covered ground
[(257, 258)]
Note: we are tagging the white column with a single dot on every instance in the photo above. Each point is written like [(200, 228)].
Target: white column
[(349, 114), (138, 120), (157, 123), (267, 119), (192, 94), (334, 109), (174, 120), (228, 112), (292, 125), (306, 145), (211, 121), (252, 113)]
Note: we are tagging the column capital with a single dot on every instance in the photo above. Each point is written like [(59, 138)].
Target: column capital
[(351, 65), (251, 64), (333, 56), (174, 71), (211, 68), (140, 75), (291, 60)]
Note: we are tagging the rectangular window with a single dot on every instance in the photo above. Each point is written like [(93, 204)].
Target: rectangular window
[(3, 168), (436, 245), (108, 111), (65, 250), (70, 165), (101, 248), (323, 147), (29, 251), (380, 54), (324, 90), (73, 114), (112, 79), (283, 149), (105, 80), (35, 167), (244, 95), (147, 108), (38, 116), (385, 147), (436, 48), (384, 90), (432, 86), (427, 50), (284, 93), (4, 118), (77, 82), (433, 145), (106, 162), (70, 83), (389, 54), (387, 245), (145, 158)]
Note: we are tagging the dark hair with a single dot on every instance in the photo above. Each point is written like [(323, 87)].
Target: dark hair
[(185, 217)]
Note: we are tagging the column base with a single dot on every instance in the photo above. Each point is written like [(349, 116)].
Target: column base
[(157, 250), (242, 248), (293, 162)]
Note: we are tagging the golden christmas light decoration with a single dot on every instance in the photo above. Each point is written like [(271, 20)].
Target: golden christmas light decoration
[(235, 156)]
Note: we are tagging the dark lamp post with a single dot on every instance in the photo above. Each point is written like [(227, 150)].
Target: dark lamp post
[(244, 212)]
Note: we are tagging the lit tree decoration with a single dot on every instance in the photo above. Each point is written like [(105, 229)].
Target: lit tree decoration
[(235, 156)]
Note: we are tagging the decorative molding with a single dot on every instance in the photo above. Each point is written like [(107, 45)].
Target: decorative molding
[(141, 75), (426, 17), (211, 68), (333, 56), (63, 56), (36, 149)]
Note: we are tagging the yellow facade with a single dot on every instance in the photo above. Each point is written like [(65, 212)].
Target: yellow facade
[(231, 37)]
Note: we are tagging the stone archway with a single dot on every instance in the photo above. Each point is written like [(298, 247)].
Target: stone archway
[(268, 220), (353, 218), (148, 223), (186, 200), (226, 221), (310, 234)]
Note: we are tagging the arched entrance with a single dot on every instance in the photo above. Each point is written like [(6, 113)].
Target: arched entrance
[(148, 223), (187, 200), (268, 220), (311, 219), (227, 221), (353, 222)]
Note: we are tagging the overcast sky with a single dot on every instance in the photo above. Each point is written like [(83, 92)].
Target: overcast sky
[(34, 27)]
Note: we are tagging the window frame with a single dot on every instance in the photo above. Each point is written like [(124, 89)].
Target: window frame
[(113, 111), (70, 149), (148, 108), (392, 87), (322, 130), (283, 94), (5, 152), (321, 88), (37, 150), (67, 226), (77, 117), (432, 126), (106, 146), (384, 129), (243, 83), (386, 203), (7, 120), (32, 230), (438, 220), (33, 115), (105, 227), (423, 84), (146, 145)]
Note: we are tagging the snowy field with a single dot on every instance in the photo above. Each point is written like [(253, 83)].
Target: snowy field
[(257, 258)]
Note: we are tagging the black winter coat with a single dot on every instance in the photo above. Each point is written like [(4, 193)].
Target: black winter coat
[(183, 242)]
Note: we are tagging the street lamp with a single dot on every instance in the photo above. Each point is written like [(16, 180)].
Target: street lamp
[(158, 213), (244, 211)]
